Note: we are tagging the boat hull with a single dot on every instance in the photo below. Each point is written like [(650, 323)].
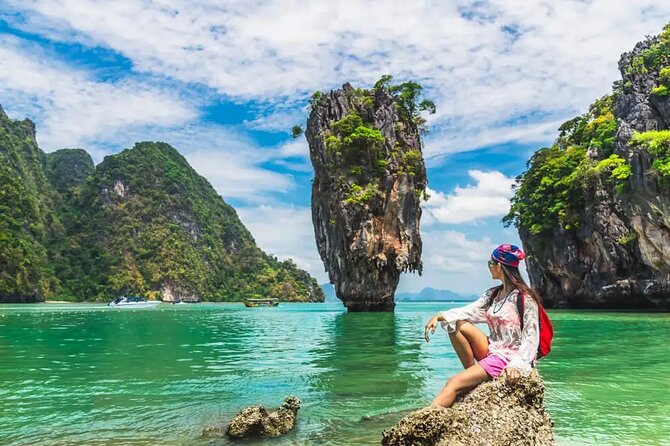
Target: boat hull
[(261, 303), (123, 305)]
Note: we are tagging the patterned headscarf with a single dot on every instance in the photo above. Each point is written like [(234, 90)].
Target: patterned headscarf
[(508, 254)]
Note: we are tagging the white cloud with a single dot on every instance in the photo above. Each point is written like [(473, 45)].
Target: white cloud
[(277, 119), (451, 251), (489, 197), (72, 108), (472, 135), (233, 176), (491, 66), (287, 232), (455, 261), (296, 148), (301, 167), (293, 155)]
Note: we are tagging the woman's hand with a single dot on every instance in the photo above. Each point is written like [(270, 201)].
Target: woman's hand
[(430, 327), (512, 375)]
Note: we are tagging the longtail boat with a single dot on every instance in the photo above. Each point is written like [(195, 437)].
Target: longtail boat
[(271, 302)]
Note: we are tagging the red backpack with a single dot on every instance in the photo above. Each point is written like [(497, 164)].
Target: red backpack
[(546, 329)]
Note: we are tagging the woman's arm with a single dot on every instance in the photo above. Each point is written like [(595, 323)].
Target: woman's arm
[(530, 338), (474, 312)]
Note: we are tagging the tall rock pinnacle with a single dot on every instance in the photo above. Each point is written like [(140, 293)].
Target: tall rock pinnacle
[(369, 177)]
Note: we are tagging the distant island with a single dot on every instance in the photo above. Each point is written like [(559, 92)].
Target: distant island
[(425, 295), (142, 222)]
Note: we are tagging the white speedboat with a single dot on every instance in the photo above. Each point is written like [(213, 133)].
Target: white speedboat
[(132, 302)]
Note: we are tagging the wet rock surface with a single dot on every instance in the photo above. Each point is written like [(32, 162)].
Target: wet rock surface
[(258, 422), (493, 414)]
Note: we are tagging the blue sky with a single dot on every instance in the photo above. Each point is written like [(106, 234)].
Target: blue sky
[(223, 82)]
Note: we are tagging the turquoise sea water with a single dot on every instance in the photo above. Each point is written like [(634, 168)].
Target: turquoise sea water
[(82, 374)]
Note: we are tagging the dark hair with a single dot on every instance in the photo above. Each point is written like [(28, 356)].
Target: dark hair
[(514, 276)]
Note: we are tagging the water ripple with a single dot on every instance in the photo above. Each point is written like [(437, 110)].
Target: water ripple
[(87, 375)]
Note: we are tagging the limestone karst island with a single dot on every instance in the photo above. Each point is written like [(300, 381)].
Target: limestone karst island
[(334, 224)]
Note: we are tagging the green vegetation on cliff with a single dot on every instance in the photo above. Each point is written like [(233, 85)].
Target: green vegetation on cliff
[(552, 191), (406, 95), (360, 151), (153, 222), (548, 191), (655, 57), (142, 222), (27, 224), (67, 169), (658, 143)]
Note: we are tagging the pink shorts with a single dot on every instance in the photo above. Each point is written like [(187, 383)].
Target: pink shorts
[(493, 365)]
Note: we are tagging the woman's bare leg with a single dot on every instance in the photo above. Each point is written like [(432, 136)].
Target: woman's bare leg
[(469, 342), (464, 381)]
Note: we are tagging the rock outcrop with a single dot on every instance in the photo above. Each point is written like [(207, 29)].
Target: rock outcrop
[(369, 177), (616, 254), (493, 414), (257, 422), (173, 293)]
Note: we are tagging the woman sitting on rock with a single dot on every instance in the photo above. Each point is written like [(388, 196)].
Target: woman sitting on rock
[(510, 350)]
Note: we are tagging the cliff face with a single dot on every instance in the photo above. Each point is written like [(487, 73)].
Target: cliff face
[(609, 243), (27, 225), (142, 222), (369, 177), (163, 230)]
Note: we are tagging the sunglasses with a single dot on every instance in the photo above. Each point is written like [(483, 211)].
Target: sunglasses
[(492, 262)]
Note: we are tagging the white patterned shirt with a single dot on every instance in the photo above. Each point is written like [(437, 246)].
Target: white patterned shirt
[(507, 339)]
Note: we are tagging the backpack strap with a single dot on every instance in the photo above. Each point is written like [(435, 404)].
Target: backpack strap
[(519, 306)]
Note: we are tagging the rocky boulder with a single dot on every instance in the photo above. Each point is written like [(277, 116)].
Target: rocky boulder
[(257, 422), (493, 414), (369, 177)]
